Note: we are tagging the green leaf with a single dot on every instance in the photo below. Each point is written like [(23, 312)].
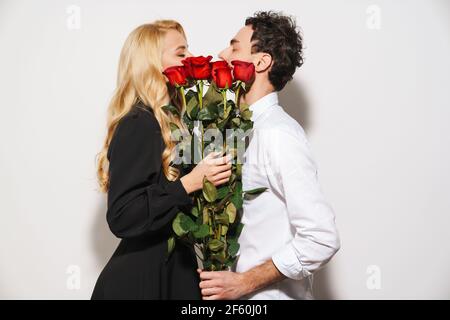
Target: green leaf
[(222, 123), (208, 113), (189, 123), (220, 257), (205, 215), (246, 114), (212, 95), (202, 231), (222, 218), (243, 107), (237, 196), (170, 245), (222, 192), (224, 230), (177, 134), (194, 211), (231, 212), (190, 93), (194, 112), (172, 109), (246, 125), (215, 245), (233, 247), (177, 226), (223, 114), (209, 190), (255, 192), (187, 223), (239, 229), (230, 262), (232, 178), (192, 107), (207, 264), (236, 122), (239, 169), (211, 126)]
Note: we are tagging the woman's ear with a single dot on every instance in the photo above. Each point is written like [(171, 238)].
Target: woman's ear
[(263, 62)]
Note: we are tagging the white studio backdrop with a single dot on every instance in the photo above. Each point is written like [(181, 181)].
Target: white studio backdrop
[(372, 96)]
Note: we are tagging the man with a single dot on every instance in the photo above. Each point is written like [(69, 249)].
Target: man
[(289, 230)]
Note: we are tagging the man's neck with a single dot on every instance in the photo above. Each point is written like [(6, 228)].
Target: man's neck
[(256, 92)]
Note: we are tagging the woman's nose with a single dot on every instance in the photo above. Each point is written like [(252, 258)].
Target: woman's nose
[(223, 55), (189, 54)]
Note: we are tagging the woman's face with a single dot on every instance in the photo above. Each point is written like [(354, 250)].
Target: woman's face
[(175, 49)]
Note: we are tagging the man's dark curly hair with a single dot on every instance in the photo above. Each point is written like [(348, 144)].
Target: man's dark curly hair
[(277, 35)]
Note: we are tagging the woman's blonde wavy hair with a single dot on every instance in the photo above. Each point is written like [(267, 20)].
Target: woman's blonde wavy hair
[(140, 78)]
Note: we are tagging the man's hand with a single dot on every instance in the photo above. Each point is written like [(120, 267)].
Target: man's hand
[(226, 285), (223, 285)]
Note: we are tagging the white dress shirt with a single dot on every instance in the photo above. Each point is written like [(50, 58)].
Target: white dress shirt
[(291, 222)]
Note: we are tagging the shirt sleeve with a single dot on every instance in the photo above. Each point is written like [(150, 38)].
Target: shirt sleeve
[(316, 238), (137, 203)]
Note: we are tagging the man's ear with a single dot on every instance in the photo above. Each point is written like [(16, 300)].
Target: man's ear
[(263, 62)]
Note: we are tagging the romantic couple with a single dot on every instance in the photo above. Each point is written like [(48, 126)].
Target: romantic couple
[(289, 230)]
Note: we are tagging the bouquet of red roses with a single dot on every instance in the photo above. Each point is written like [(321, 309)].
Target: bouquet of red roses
[(214, 124)]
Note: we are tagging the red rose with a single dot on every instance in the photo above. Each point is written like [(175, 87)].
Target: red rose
[(198, 68), (218, 64), (222, 77), (243, 71), (176, 76)]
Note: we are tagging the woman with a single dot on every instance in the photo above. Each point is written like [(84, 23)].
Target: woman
[(144, 191)]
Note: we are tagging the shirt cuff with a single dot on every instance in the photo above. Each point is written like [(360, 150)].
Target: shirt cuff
[(178, 192), (287, 263)]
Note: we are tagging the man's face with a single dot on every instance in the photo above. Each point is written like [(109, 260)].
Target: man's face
[(240, 47)]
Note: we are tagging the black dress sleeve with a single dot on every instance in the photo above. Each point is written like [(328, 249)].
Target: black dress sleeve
[(137, 203)]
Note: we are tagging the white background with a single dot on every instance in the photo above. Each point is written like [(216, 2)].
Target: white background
[(372, 96)]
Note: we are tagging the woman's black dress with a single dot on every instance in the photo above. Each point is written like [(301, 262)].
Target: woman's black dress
[(141, 206)]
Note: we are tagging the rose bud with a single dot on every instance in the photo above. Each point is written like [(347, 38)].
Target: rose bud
[(218, 64), (176, 75), (243, 71), (223, 77), (198, 68)]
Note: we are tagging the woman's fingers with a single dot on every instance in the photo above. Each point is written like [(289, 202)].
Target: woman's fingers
[(215, 154), (211, 156), (218, 183), (221, 160), (222, 175), (218, 169)]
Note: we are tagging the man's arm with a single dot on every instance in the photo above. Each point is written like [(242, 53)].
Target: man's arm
[(262, 276), (295, 175)]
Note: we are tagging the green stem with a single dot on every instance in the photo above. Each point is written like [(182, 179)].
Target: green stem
[(203, 143), (183, 96), (237, 94), (199, 86), (200, 97), (224, 96)]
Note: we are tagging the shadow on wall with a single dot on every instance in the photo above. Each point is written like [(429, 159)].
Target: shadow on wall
[(103, 241), (294, 101), (322, 285)]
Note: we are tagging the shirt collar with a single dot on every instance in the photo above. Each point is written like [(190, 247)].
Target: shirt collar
[(261, 105)]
